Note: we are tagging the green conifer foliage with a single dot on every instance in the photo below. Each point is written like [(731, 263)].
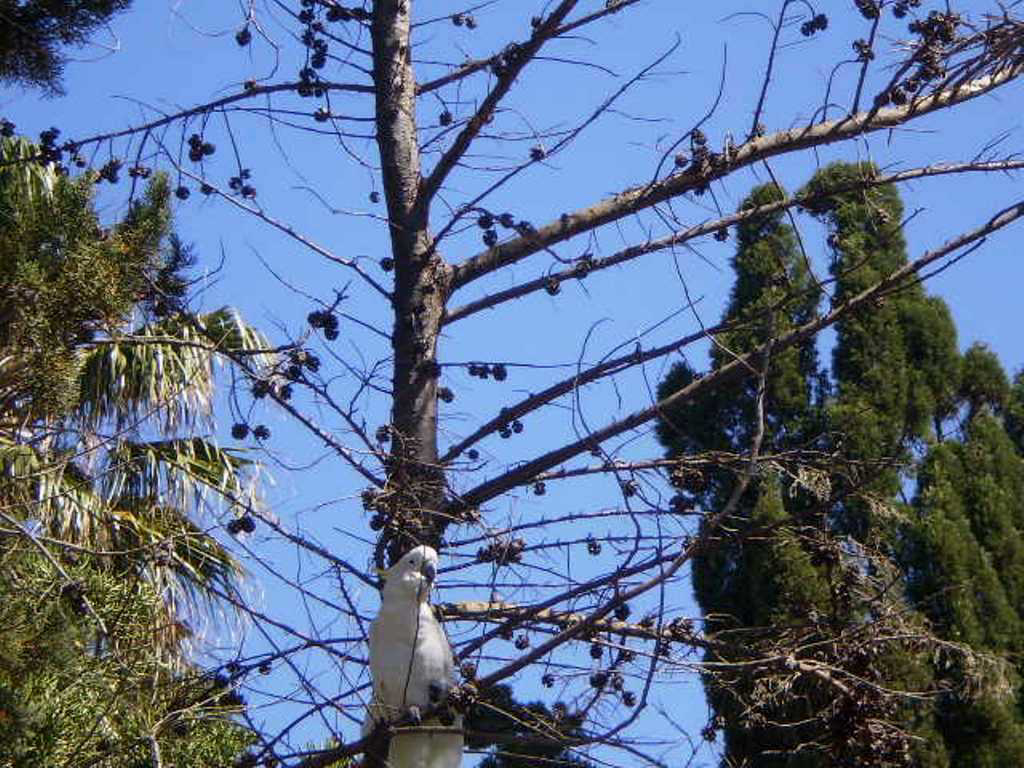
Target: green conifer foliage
[(106, 562), (896, 366), (63, 278), (896, 384), (70, 696), (757, 572), (965, 569), (33, 34)]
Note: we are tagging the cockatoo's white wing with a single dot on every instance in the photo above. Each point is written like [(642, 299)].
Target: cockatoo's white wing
[(411, 664)]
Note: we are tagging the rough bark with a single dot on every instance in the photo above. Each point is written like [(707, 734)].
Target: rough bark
[(415, 484)]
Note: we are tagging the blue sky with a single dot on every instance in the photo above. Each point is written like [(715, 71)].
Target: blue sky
[(172, 55)]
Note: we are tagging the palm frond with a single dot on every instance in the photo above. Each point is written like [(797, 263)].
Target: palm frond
[(164, 370), (184, 473), (21, 176), (135, 516)]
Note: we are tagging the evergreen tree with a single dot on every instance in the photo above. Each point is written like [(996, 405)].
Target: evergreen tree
[(105, 383), (34, 34), (104, 380), (72, 696), (757, 574), (895, 371), (965, 569), (896, 381)]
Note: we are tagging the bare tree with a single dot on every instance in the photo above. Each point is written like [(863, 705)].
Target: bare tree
[(596, 571)]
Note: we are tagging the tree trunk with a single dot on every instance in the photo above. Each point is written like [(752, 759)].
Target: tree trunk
[(415, 481)]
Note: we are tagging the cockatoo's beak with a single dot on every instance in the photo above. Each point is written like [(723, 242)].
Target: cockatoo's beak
[(429, 572)]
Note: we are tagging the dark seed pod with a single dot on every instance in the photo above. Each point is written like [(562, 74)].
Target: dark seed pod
[(485, 221), (598, 680), (261, 432), (240, 431), (522, 642), (243, 36), (490, 238), (445, 394), (446, 118), (499, 372), (629, 698), (622, 611), (596, 651), (517, 426), (539, 488), (473, 454), (547, 680), (593, 546), (182, 192)]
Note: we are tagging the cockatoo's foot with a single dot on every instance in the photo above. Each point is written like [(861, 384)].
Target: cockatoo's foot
[(414, 713), (435, 691)]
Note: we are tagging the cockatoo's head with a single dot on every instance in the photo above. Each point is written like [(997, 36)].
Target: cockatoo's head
[(413, 575)]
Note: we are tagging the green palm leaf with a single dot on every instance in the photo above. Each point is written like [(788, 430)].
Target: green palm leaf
[(135, 512), (164, 369), (21, 176)]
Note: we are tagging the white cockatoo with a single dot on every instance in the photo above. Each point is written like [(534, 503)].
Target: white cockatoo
[(412, 665)]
